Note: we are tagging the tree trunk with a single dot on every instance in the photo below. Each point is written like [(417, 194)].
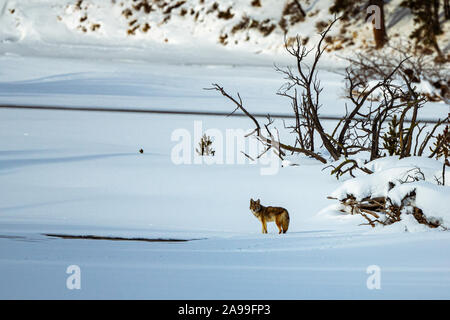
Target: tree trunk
[(436, 24), (436, 27), (299, 6), (447, 9)]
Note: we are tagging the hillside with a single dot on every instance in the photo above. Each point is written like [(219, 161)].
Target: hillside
[(250, 26)]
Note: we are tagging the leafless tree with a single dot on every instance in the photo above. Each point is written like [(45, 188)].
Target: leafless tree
[(365, 119)]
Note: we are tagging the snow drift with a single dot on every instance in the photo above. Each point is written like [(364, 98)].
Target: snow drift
[(413, 185)]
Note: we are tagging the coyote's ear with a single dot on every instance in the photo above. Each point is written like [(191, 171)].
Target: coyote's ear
[(257, 201)]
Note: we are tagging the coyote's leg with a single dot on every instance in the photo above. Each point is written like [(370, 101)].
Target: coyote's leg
[(264, 226), (278, 223)]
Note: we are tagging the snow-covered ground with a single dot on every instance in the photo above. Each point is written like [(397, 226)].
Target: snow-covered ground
[(81, 173), (315, 264), (160, 84)]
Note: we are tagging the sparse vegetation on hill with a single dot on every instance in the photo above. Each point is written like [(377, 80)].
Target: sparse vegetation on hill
[(256, 25)]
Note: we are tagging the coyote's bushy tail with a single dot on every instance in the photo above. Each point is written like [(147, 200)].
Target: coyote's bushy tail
[(285, 221)]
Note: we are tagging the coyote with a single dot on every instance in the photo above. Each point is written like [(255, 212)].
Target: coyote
[(269, 214)]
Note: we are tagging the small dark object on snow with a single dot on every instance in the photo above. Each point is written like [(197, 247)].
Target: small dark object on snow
[(141, 151)]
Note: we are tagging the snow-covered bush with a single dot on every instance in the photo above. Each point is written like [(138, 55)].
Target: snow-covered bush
[(398, 189)]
